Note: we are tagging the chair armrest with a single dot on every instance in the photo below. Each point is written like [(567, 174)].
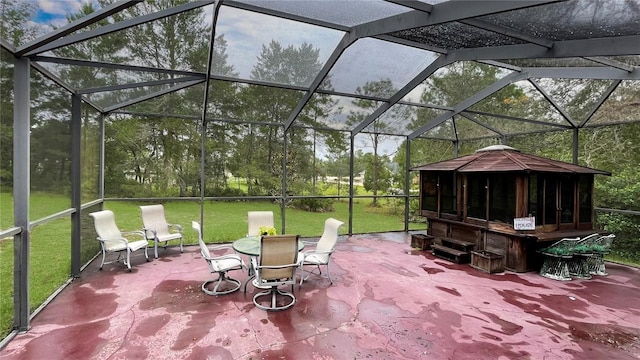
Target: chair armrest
[(316, 252), (145, 230), (177, 226), (225, 257), (277, 266), (122, 240)]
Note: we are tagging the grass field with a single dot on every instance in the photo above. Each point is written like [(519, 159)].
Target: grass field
[(224, 221)]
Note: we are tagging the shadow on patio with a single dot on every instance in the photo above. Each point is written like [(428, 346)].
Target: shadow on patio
[(387, 302)]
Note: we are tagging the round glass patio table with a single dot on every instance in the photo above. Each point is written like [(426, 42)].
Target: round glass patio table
[(250, 245)]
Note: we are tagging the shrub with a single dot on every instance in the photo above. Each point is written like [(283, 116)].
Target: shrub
[(313, 204)]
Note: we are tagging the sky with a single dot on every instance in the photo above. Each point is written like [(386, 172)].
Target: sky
[(55, 11)]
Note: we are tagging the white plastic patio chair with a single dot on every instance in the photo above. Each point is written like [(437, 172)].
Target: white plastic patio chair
[(256, 219), (219, 265), (321, 255), (113, 240), (157, 229)]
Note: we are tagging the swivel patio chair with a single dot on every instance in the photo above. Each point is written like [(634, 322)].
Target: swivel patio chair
[(256, 219), (157, 229), (219, 265), (113, 240), (321, 255), (276, 266)]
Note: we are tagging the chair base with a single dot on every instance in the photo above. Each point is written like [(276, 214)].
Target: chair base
[(273, 293), (220, 281)]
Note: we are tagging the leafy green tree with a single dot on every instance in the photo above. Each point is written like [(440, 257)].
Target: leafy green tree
[(261, 147)]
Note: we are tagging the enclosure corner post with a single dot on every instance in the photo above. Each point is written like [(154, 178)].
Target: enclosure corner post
[(21, 185)]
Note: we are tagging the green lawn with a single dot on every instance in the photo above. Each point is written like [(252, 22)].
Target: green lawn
[(224, 221)]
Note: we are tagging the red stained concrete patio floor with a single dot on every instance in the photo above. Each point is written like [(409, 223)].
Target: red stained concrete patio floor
[(387, 302)]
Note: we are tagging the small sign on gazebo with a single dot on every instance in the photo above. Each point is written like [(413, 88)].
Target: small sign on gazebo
[(525, 223)]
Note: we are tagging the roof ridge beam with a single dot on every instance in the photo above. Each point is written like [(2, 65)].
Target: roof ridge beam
[(592, 47), (479, 96), (473, 119), (442, 60), (519, 119), (611, 63), (137, 85), (593, 73), (76, 25), (151, 96), (118, 26)]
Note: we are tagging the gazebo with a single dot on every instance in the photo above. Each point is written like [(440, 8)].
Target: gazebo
[(476, 198)]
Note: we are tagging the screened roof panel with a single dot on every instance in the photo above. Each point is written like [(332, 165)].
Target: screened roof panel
[(175, 42), (264, 104), (574, 19), (521, 100), (622, 105), (576, 96), (504, 125), (469, 129), (452, 84), (179, 104), (292, 52), (371, 61), (330, 111), (345, 13), (396, 120), (455, 35)]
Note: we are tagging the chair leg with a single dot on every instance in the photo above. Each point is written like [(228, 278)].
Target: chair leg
[(128, 259), (155, 247), (103, 256), (181, 248)]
